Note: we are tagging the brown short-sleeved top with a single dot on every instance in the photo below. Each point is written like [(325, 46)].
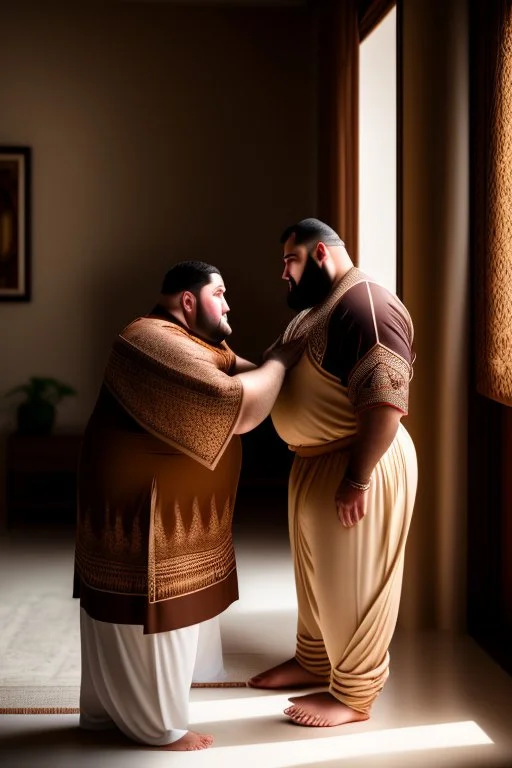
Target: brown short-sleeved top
[(370, 346)]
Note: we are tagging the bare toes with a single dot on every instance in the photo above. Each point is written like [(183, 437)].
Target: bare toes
[(300, 717), (190, 742)]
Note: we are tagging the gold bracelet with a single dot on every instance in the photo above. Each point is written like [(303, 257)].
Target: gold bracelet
[(358, 486)]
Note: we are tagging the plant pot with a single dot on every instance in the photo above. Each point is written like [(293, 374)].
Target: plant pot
[(35, 418)]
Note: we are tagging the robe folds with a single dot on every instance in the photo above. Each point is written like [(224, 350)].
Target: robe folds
[(348, 580), (158, 475)]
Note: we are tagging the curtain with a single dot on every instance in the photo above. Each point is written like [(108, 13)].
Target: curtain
[(492, 122), (338, 146), (490, 417)]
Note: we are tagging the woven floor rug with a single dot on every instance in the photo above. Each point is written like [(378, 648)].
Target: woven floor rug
[(40, 657)]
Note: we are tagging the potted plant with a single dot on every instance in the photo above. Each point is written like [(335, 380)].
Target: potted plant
[(36, 413)]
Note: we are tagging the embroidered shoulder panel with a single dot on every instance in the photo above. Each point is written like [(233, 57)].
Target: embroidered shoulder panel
[(314, 322)]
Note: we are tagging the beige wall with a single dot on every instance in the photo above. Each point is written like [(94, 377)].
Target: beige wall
[(161, 133), (158, 133)]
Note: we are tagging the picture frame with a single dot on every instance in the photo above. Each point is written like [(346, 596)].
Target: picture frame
[(15, 267)]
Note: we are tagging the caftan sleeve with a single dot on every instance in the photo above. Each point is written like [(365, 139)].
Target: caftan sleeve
[(177, 387), (381, 377)]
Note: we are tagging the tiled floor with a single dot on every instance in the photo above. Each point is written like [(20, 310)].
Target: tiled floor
[(446, 704)]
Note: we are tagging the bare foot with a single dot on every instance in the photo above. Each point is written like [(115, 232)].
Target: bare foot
[(191, 741), (322, 710), (289, 674)]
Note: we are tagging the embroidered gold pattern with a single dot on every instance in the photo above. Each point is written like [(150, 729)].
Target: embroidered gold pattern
[(176, 387), (99, 558), (294, 326), (381, 376), (202, 553), (314, 322), (202, 549), (318, 337), (186, 574), (494, 252)]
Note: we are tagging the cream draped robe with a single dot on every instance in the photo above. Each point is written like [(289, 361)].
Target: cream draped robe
[(348, 580)]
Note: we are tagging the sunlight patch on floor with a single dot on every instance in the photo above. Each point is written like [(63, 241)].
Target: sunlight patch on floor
[(220, 710), (286, 754)]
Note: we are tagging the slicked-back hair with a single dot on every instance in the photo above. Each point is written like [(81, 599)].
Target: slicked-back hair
[(187, 276), (311, 231)]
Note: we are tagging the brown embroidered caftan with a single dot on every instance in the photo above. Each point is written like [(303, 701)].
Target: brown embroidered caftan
[(158, 476)]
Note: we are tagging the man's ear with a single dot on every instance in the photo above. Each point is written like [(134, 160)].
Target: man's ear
[(188, 302), (321, 252)]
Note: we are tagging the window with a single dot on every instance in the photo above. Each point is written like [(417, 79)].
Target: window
[(378, 153)]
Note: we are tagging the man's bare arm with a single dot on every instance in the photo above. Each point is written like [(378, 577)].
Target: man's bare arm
[(261, 385), (376, 430), (261, 388), (242, 365)]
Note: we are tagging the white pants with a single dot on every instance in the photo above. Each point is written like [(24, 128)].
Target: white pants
[(141, 683)]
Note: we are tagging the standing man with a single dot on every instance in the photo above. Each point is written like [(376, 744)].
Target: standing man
[(353, 481), (157, 482)]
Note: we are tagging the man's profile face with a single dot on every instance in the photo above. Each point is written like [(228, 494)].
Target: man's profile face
[(211, 320), (308, 282)]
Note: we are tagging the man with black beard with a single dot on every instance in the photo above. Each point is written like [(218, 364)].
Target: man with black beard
[(158, 475), (353, 481)]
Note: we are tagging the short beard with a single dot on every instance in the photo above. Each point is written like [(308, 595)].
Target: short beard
[(313, 287), (215, 334)]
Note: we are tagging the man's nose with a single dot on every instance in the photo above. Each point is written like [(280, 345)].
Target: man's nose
[(286, 274), (226, 306)]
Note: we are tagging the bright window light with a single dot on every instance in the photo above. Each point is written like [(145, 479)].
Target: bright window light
[(311, 750), (377, 153)]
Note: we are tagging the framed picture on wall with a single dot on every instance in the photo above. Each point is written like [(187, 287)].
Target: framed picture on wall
[(14, 223)]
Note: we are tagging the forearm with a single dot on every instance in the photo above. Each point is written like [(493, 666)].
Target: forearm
[(376, 431), (260, 389), (242, 366)]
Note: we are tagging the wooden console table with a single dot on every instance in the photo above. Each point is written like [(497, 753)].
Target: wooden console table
[(40, 476)]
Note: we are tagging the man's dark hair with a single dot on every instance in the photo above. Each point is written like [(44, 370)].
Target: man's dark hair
[(187, 276), (309, 230)]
